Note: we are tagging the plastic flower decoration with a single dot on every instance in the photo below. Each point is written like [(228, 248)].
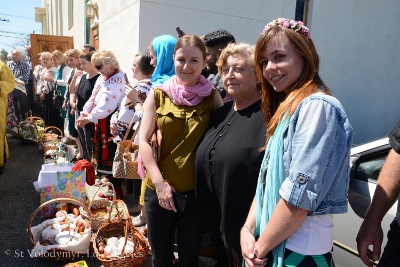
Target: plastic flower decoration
[(297, 26)]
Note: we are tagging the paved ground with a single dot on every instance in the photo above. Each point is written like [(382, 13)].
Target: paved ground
[(19, 199)]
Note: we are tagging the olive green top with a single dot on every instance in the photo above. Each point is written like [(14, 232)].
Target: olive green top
[(182, 128)]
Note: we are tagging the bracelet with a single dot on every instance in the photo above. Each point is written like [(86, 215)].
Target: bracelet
[(245, 226)]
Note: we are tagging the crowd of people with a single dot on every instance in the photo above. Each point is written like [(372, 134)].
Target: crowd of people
[(254, 148)]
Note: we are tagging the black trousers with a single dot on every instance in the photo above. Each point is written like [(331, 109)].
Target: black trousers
[(29, 92), (21, 104), (86, 137), (391, 256), (161, 224)]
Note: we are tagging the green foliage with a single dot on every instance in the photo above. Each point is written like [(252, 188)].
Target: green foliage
[(3, 55)]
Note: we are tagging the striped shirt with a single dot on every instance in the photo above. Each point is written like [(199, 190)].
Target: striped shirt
[(21, 70)]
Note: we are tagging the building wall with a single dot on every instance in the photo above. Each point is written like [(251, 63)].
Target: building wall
[(356, 46), (159, 17), (119, 30)]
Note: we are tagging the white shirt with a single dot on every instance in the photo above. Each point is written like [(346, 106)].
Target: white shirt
[(314, 236)]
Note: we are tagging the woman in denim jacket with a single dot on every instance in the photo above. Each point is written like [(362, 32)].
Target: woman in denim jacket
[(304, 175)]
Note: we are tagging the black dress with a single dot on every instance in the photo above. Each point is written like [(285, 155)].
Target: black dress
[(227, 165)]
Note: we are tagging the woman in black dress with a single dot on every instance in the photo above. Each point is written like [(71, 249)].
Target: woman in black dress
[(228, 159)]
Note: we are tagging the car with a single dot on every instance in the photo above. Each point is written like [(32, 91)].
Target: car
[(366, 162)]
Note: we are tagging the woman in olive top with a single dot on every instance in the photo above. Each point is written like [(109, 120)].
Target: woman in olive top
[(181, 108)]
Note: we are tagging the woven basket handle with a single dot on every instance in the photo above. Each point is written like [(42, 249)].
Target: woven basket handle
[(128, 223), (115, 203), (97, 190), (53, 127), (141, 243), (134, 134), (34, 119), (67, 200)]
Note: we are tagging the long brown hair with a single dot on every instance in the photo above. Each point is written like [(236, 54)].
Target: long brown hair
[(276, 104)]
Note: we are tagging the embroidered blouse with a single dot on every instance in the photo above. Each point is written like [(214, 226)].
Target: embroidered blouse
[(106, 97)]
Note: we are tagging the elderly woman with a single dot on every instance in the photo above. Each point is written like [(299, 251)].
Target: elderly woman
[(229, 157), (45, 88), (104, 101)]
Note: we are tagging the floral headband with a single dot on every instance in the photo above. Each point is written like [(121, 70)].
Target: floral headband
[(297, 26)]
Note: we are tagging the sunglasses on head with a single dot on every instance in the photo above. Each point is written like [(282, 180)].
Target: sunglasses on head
[(99, 67)]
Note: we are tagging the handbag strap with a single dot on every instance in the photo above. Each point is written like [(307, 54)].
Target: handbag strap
[(129, 128)]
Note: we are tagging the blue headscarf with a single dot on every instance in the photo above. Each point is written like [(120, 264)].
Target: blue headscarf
[(163, 47)]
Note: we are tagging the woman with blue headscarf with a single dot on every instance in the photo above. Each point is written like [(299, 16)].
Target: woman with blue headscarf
[(161, 51)]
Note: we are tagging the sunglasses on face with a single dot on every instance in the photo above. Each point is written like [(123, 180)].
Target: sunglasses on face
[(99, 67)]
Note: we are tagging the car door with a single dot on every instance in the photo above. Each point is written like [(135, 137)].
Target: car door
[(366, 166)]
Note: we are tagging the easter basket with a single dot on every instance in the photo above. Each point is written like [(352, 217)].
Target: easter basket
[(28, 132), (74, 230), (132, 246), (50, 137), (99, 208)]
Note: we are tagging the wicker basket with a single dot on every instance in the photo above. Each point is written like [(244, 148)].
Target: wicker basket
[(56, 254), (28, 132), (39, 122), (98, 221), (121, 228), (50, 138)]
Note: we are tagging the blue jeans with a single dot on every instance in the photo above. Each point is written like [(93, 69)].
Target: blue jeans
[(161, 225), (391, 255)]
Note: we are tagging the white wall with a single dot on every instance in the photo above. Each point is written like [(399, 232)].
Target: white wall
[(78, 28), (358, 43), (119, 30), (245, 21)]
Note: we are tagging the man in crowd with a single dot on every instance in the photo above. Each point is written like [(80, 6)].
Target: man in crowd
[(21, 74), (215, 42), (88, 48), (7, 84), (29, 85), (386, 194)]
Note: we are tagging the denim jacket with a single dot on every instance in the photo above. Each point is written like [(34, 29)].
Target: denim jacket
[(316, 156)]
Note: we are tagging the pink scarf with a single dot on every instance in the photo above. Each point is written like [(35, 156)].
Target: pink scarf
[(186, 95)]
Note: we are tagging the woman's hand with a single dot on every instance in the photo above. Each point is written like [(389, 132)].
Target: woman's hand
[(164, 194), (248, 246), (42, 96), (64, 106), (78, 73), (82, 121), (48, 79), (113, 129), (131, 94), (73, 111)]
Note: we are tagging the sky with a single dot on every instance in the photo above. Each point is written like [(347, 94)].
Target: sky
[(20, 16)]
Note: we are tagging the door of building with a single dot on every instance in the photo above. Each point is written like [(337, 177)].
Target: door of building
[(49, 43)]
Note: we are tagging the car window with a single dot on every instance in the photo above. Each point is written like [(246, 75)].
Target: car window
[(368, 167)]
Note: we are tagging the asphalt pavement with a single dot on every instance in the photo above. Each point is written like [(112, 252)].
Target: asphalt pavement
[(19, 200)]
